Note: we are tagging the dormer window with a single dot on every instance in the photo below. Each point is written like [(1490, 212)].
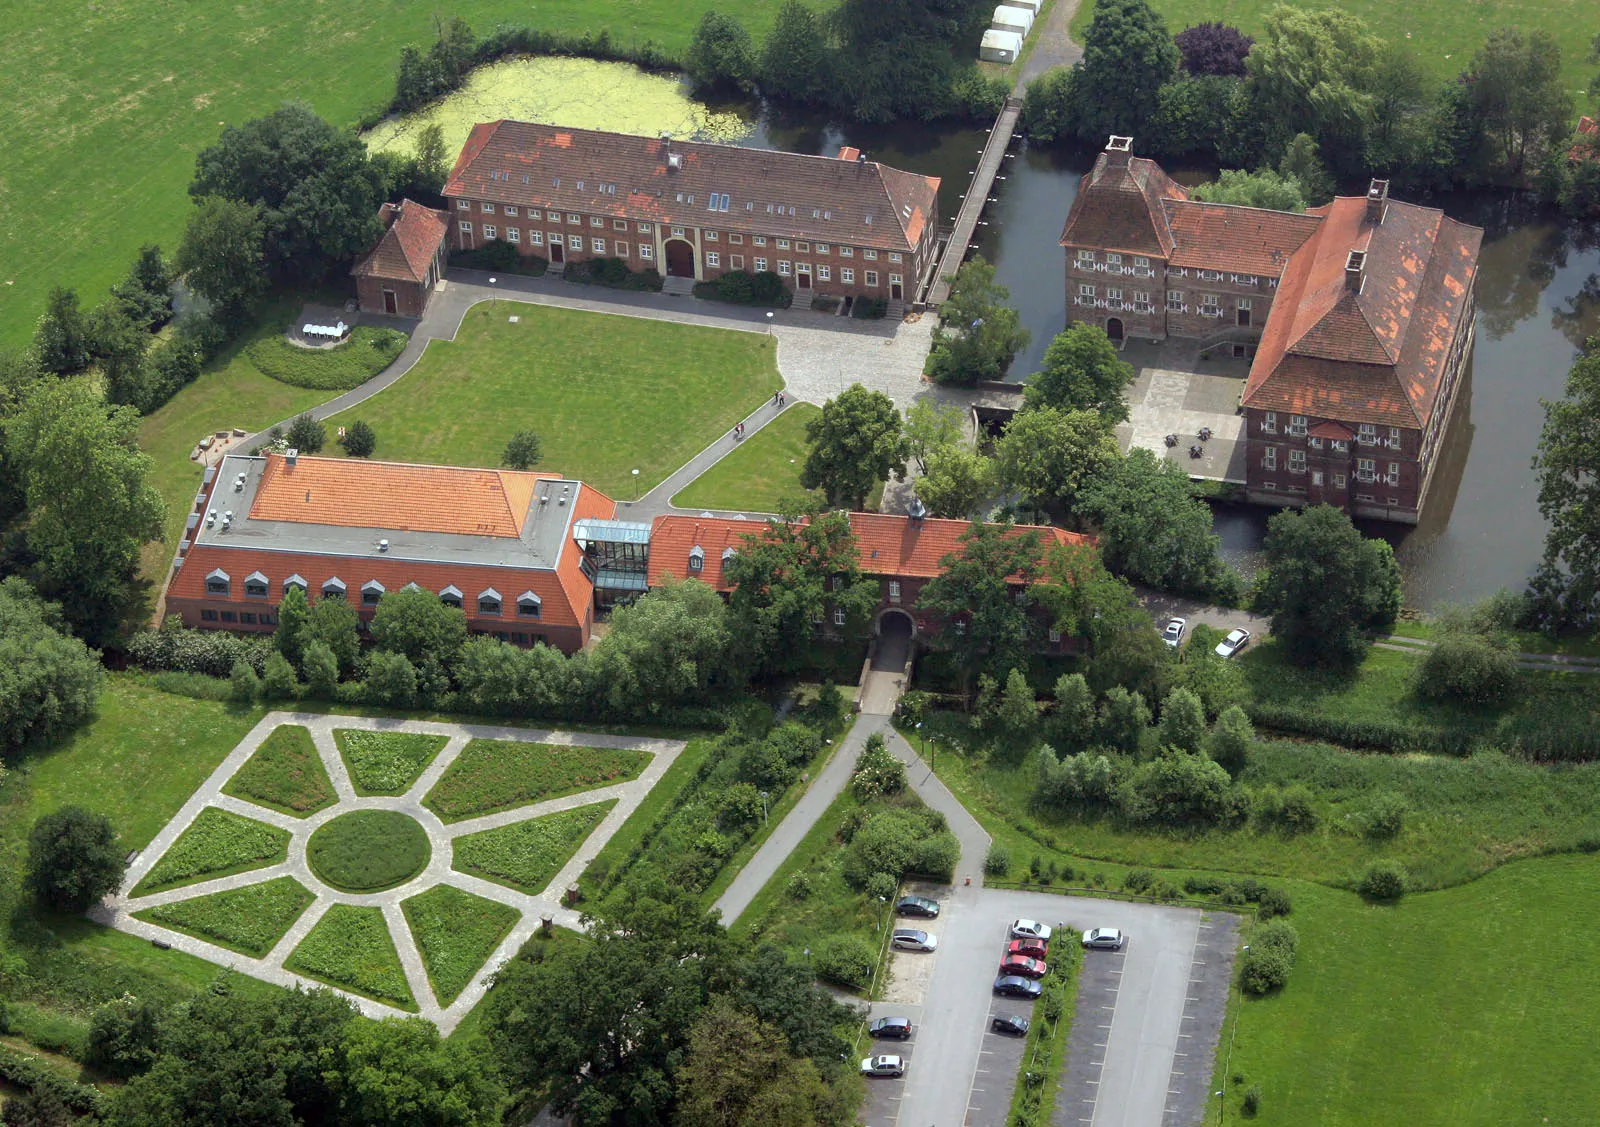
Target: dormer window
[(333, 588), (451, 596), (296, 580), (218, 583), (529, 605), (255, 585), (489, 601), (697, 558), (371, 592), (728, 554)]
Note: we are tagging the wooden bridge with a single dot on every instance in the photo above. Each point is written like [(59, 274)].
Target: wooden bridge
[(937, 288)]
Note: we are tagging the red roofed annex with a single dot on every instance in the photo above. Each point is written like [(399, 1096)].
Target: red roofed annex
[(1359, 313), (841, 225), (398, 274)]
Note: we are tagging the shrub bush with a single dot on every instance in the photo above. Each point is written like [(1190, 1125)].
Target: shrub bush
[(1384, 880), (123, 1035), (846, 960), (1263, 969), (1297, 812), (1468, 668), (997, 863), (869, 308), (499, 256), (1251, 1104), (243, 682), (73, 858), (612, 273), (278, 681), (1138, 880), (210, 652), (1274, 902), (800, 886), (350, 364), (1386, 815), (31, 1073), (739, 287)]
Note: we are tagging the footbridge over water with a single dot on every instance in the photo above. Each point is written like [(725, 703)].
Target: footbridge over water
[(936, 288)]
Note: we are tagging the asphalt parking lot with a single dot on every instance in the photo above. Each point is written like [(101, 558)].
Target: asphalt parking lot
[(882, 1105), (999, 1062)]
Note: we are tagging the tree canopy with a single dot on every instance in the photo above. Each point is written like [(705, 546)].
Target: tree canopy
[(669, 647), (1568, 468), (983, 592), (49, 680), (413, 622), (1312, 72), (1214, 48), (1128, 55), (1049, 455), (795, 63), (979, 334), (1263, 188), (958, 482), (221, 255), (856, 443), (1515, 88), (73, 858), (720, 55), (1082, 372)]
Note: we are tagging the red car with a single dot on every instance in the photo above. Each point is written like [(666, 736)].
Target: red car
[(1018, 964), (1027, 948)]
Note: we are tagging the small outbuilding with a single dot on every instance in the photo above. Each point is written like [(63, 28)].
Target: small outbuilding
[(1008, 17), (398, 274), (1000, 46), (1031, 5)]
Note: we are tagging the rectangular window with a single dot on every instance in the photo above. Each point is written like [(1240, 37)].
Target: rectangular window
[(208, 616), (1140, 260), (1113, 293), (761, 266), (513, 235), (1394, 436), (597, 245), (1340, 446), (895, 279), (1055, 635), (822, 248), (1316, 477), (536, 238), (488, 208), (847, 252), (803, 248), (229, 616), (1338, 481), (1269, 422), (463, 205), (1141, 297), (713, 258), (677, 232), (535, 213), (1175, 297), (646, 251), (1242, 303), (596, 221), (783, 244), (759, 240), (1368, 434), (1085, 289), (824, 272), (872, 277), (1269, 458), (489, 230), (894, 590), (622, 250), (1085, 256), (574, 219), (1297, 461), (1297, 425), (736, 240), (554, 217), (1114, 259), (870, 254), (737, 261), (838, 616), (466, 226), (1366, 465), (247, 618), (511, 210), (644, 228), (1315, 443), (1269, 486), (895, 256), (847, 276), (575, 242), (1209, 300), (783, 267), (619, 224), (711, 236)]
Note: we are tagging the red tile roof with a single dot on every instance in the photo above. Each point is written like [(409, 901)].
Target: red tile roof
[(1330, 429), (356, 493), (1119, 207), (1243, 240), (893, 546), (856, 202), (409, 245), (1588, 144), (1377, 355)]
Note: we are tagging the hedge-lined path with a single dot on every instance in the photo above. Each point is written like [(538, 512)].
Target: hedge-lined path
[(117, 911), (1544, 663)]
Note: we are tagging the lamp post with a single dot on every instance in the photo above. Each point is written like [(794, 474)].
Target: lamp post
[(769, 322), (635, 486), (493, 293), (763, 808)]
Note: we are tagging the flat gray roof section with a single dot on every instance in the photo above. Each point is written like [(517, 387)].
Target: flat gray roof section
[(544, 532)]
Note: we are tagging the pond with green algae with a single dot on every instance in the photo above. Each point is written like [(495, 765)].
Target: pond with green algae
[(582, 93)]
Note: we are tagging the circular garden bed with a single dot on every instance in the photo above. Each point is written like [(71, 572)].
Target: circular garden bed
[(368, 850)]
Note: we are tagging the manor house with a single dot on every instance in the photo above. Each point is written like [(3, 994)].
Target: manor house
[(1358, 315)]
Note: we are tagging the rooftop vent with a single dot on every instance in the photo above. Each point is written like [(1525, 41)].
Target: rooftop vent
[(383, 545), (291, 455), (1118, 149), (861, 158), (211, 517), (674, 160), (1354, 269), (1377, 201)]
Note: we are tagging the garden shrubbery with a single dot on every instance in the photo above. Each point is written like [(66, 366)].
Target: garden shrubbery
[(613, 273), (739, 287), (1384, 880), (350, 364), (211, 652), (501, 257), (865, 308), (846, 960), (1266, 964)]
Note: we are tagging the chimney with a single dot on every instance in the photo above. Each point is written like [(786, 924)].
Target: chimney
[(1118, 150), (291, 456), (1377, 201), (1354, 268), (849, 152)]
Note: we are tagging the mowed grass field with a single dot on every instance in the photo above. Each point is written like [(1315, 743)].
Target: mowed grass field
[(1444, 34), (107, 105), (606, 394), (762, 473)]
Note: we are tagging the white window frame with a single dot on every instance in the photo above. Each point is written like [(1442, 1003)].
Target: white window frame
[(847, 276), (536, 238), (622, 249), (1113, 259), (713, 258), (510, 210), (896, 279), (1269, 459), (596, 221), (761, 265), (758, 240), (783, 268), (1085, 289), (486, 208), (736, 262), (896, 256), (463, 205), (513, 234), (535, 213), (1297, 425), (575, 242), (574, 219), (619, 224), (824, 272), (872, 277), (1269, 422), (870, 255), (646, 252), (597, 246), (490, 231), (847, 252), (466, 226), (1085, 255)]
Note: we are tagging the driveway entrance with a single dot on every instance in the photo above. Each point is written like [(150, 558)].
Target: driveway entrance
[(895, 629), (680, 259)]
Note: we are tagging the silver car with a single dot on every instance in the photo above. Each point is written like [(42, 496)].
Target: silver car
[(883, 1066), (1172, 633), (910, 939), (1233, 643), (1104, 939)]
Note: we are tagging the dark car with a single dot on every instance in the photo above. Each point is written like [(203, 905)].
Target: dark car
[(895, 1028), (1028, 948), (1015, 986), (1012, 1025), (918, 906), (1027, 968)]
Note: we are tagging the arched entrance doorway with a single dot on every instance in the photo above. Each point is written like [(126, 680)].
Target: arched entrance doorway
[(680, 259), (1114, 329), (895, 629)]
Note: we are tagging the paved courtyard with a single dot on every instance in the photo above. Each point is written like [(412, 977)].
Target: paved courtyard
[(1175, 393), (117, 911)]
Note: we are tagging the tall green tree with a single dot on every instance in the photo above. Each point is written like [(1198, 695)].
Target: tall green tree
[(400, 1073), (119, 343), (1049, 456), (1313, 72), (1087, 601), (1403, 104), (720, 55), (668, 648), (221, 255), (856, 443), (1128, 55), (1082, 372), (1325, 585), (796, 63), (957, 483), (1263, 188), (413, 622), (979, 334), (146, 291), (90, 505), (1522, 105), (334, 623), (49, 680), (61, 342), (788, 579), (738, 1072), (1302, 164), (1567, 586), (523, 451), (984, 592), (931, 426), (290, 633), (307, 434), (359, 440), (73, 858), (432, 157)]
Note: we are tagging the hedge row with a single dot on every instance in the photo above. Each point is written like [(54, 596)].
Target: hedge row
[(32, 1073), (1546, 735)]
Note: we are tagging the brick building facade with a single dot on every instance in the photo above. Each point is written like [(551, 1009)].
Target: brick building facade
[(398, 274), (844, 226), (1359, 316)]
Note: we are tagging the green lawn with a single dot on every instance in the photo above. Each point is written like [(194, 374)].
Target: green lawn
[(606, 394), (249, 920), (761, 473), (285, 773), (386, 762), (527, 855), (491, 775), (1471, 1006), (115, 101), (339, 368), (351, 948), (1443, 35), (456, 932), (216, 844), (368, 850)]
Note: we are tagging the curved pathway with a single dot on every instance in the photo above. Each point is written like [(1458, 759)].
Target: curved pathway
[(117, 911)]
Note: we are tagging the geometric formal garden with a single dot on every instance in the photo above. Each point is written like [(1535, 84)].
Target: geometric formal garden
[(398, 862)]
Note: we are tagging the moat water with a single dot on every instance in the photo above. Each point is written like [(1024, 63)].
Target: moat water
[(1538, 298)]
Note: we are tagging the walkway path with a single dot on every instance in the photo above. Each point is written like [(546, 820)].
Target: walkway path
[(117, 911), (1054, 47), (1545, 663)]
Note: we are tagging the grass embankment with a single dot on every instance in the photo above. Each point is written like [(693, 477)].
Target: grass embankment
[(386, 762), (339, 367), (116, 101), (606, 394), (456, 932), (249, 920), (1444, 36), (493, 775), (527, 855), (217, 843), (284, 774), (761, 473), (351, 948)]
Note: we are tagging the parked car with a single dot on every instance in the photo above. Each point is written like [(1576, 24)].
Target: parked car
[(1028, 948), (910, 939), (1015, 986), (1030, 929), (1233, 643), (894, 1028), (883, 1066), (1172, 632), (1104, 939), (1012, 1025), (918, 906), (1027, 968)]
